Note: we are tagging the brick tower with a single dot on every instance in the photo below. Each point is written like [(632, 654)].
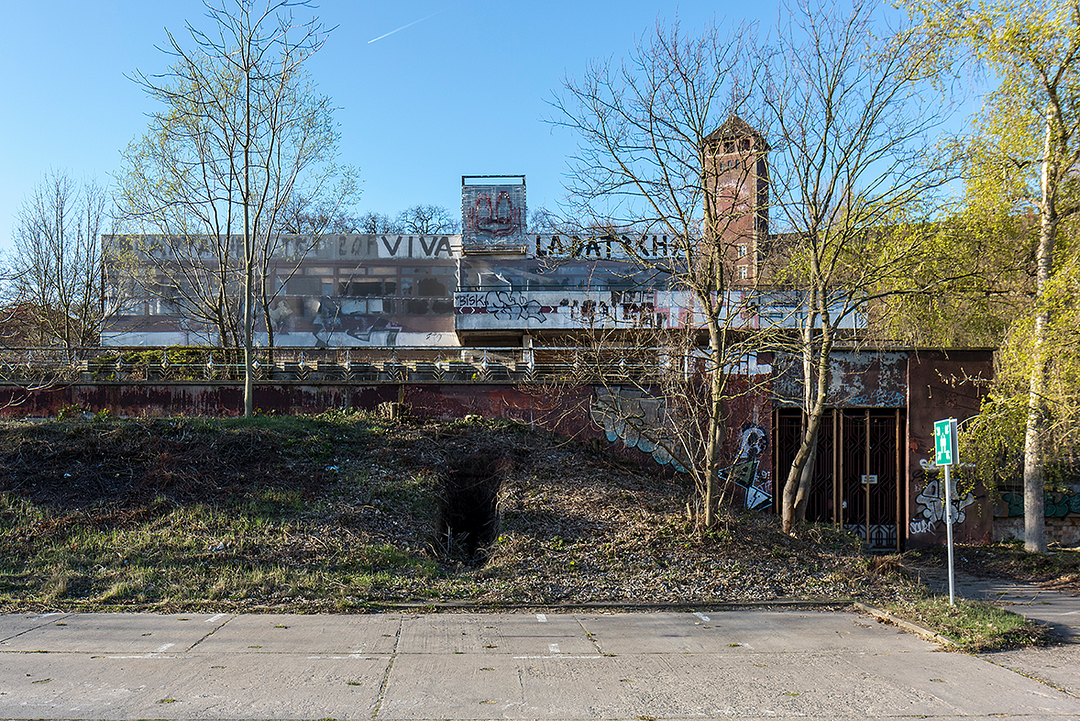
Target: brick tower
[(737, 174)]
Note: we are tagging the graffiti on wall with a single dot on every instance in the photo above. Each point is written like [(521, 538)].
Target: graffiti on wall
[(746, 472), (419, 246), (930, 501), (331, 321), (338, 324), (607, 247), (357, 246), (1055, 505), (639, 421), (642, 422), (504, 305)]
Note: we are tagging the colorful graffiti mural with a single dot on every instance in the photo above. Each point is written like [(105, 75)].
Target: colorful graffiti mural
[(641, 421), (747, 473)]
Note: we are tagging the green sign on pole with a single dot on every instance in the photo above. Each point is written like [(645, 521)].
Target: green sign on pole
[(945, 455), (945, 441)]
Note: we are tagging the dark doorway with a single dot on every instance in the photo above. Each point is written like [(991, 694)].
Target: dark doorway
[(856, 472)]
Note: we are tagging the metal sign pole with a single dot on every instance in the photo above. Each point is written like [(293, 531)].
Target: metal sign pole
[(945, 447), (948, 531)]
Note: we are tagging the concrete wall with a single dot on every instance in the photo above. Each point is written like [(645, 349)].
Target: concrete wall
[(929, 385)]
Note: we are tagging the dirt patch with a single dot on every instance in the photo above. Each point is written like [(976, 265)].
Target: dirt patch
[(1058, 569)]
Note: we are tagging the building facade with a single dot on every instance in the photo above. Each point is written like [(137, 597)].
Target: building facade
[(498, 286)]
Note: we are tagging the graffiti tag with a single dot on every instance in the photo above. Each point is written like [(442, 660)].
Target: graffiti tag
[(605, 247), (504, 305), (1055, 505), (930, 505)]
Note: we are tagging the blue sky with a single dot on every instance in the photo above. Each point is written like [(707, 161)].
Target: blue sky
[(463, 91)]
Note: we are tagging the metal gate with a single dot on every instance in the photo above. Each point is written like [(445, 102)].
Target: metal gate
[(855, 483)]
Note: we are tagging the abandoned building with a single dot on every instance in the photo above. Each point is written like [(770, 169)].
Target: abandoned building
[(479, 322)]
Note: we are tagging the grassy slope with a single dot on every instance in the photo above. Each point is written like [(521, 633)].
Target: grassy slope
[(340, 512)]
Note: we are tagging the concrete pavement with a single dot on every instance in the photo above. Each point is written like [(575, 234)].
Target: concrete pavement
[(1057, 665), (1057, 609), (729, 664)]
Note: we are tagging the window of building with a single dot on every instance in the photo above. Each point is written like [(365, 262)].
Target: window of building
[(360, 288), (301, 285)]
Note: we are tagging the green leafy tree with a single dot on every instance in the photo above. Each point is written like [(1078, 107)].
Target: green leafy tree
[(1025, 160), (242, 134), (977, 306)]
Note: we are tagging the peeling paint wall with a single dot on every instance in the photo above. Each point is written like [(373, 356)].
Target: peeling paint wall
[(943, 384), (859, 379)]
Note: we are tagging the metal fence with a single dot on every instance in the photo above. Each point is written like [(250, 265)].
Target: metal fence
[(141, 365)]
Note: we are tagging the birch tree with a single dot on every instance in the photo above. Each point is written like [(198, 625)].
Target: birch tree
[(1029, 142)]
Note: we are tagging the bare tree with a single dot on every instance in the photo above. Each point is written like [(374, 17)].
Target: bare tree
[(851, 169), (663, 152), (56, 262), (373, 223), (313, 216), (427, 220), (242, 133)]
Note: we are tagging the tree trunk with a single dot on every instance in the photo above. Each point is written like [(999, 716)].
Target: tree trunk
[(249, 260), (1034, 436), (815, 388), (1034, 461), (716, 427)]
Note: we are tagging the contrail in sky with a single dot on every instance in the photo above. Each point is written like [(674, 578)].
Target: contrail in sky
[(403, 27)]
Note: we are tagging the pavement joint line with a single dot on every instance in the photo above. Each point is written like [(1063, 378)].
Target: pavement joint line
[(214, 630), (42, 625), (389, 667), (629, 606), (588, 635), (1027, 674), (559, 657), (886, 617)]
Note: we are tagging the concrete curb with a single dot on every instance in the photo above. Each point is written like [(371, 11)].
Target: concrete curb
[(886, 617), (434, 606)]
